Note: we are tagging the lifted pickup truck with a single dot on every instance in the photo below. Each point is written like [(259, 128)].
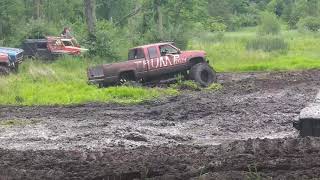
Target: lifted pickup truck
[(154, 62), (10, 58)]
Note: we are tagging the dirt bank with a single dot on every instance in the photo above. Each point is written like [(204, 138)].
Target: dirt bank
[(177, 137)]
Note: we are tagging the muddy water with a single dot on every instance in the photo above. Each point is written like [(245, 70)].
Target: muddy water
[(196, 134)]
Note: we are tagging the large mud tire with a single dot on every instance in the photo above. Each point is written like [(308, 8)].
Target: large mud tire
[(4, 71), (203, 74)]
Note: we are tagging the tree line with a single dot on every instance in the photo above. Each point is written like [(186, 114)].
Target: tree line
[(106, 25)]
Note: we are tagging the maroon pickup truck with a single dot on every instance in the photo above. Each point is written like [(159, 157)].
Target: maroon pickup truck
[(155, 62)]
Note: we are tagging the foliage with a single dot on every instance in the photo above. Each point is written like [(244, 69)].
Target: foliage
[(268, 44), (139, 20), (309, 24), (37, 29), (214, 87), (11, 14), (253, 173), (107, 42), (193, 86), (214, 25), (186, 85), (269, 24)]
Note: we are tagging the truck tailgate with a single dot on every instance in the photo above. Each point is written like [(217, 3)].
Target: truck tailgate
[(95, 72)]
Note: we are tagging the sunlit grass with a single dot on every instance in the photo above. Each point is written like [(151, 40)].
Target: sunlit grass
[(229, 54)]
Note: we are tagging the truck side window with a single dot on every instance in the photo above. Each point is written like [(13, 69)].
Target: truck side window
[(136, 54), (41, 45), (152, 52)]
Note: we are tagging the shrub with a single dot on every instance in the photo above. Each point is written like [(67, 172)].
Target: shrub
[(309, 24), (39, 29), (269, 24), (107, 42), (215, 25), (268, 44), (176, 33)]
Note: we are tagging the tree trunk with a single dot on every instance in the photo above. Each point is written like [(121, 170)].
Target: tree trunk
[(90, 12), (160, 21), (37, 9)]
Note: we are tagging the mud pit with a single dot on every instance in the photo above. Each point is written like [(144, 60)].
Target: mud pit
[(198, 134)]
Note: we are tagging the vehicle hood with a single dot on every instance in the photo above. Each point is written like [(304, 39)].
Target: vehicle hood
[(76, 48), (10, 51), (198, 53)]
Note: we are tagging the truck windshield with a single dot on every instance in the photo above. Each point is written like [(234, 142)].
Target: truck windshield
[(67, 43), (167, 49), (135, 54)]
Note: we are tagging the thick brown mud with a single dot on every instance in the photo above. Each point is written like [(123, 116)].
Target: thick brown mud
[(206, 135)]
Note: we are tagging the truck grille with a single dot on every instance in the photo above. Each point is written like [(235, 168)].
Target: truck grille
[(20, 56)]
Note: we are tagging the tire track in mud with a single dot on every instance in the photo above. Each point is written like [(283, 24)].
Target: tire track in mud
[(170, 138), (258, 158)]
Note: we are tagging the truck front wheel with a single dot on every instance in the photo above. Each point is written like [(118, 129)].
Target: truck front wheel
[(203, 74), (4, 70)]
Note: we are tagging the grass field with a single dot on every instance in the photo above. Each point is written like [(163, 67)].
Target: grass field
[(228, 52), (64, 82)]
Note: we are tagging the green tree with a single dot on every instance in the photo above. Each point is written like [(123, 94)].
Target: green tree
[(269, 24)]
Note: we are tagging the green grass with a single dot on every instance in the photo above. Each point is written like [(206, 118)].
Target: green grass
[(64, 82), (229, 54), (186, 85)]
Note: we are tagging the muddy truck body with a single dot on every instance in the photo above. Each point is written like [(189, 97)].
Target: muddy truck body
[(10, 58), (152, 63)]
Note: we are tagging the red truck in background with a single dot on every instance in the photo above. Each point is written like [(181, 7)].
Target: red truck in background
[(51, 48), (155, 62), (4, 58)]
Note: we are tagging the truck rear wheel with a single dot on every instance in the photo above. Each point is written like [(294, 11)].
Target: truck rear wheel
[(203, 74)]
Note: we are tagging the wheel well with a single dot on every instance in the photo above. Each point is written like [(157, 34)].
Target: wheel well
[(196, 60), (130, 75)]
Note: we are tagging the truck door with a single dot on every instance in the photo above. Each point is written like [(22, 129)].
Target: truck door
[(162, 59), (170, 60), (136, 60), (152, 64)]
